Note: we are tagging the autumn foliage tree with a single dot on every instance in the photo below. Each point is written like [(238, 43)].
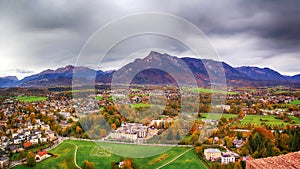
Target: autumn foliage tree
[(88, 165), (31, 162), (260, 144), (128, 164)]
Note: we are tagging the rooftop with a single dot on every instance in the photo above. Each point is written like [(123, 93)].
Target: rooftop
[(290, 160), (212, 150)]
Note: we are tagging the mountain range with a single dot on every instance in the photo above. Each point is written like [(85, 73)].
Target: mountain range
[(240, 76)]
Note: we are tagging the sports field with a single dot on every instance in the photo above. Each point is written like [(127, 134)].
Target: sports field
[(64, 156)]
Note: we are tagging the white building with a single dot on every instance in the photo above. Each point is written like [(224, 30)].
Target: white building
[(226, 158), (4, 162), (130, 131)]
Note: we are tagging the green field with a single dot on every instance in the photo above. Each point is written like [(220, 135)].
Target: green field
[(140, 105), (99, 98), (64, 158), (30, 98), (285, 92), (215, 116), (189, 160), (295, 102), (204, 90), (86, 151), (270, 120)]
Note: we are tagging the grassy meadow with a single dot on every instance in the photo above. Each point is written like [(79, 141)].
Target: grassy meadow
[(295, 102), (29, 99), (269, 120), (64, 156), (215, 116)]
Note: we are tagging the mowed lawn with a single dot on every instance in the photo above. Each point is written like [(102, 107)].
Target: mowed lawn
[(295, 102), (187, 161), (204, 90), (139, 105), (65, 156), (29, 99), (145, 155), (270, 120), (215, 116)]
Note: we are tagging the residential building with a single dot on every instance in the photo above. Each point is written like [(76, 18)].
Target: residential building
[(4, 162), (41, 155), (227, 158)]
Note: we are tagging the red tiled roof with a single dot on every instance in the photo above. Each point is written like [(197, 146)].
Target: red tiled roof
[(290, 161), (41, 153), (27, 144)]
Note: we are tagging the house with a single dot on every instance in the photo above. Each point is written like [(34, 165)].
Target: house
[(13, 148), (27, 144), (238, 143), (3, 123), (41, 155), (37, 133), (13, 135), (26, 132), (43, 139), (50, 134), (227, 158), (45, 127), (223, 107), (212, 154), (4, 162), (20, 131), (34, 141), (121, 164), (21, 136), (17, 140), (67, 115)]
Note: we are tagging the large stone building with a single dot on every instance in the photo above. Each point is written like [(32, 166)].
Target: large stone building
[(290, 160), (212, 154), (130, 131)]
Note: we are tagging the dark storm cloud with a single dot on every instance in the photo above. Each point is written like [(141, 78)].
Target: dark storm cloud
[(43, 34), (276, 23)]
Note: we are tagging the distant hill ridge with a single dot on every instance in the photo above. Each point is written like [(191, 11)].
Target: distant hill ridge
[(240, 76)]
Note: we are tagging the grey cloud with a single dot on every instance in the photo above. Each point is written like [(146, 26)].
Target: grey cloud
[(52, 33), (23, 71)]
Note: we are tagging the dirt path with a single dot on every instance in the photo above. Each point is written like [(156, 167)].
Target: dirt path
[(174, 158)]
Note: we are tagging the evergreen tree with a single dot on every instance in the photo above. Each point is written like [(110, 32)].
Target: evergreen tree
[(251, 144), (170, 135), (177, 135)]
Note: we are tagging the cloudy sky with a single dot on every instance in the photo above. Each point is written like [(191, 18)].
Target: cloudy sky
[(37, 35)]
